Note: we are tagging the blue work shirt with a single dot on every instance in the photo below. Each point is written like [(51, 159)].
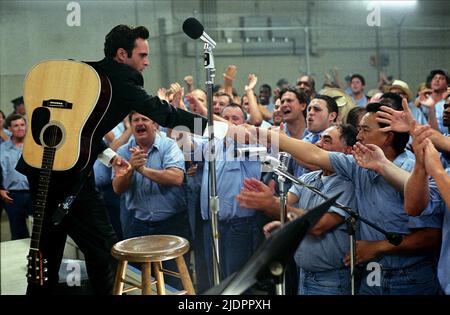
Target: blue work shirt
[(327, 251), (102, 174), (362, 102), (151, 201), (437, 204), (379, 202), (12, 179), (311, 137), (439, 107), (230, 174)]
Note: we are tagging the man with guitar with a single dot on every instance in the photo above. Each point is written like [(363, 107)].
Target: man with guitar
[(58, 185)]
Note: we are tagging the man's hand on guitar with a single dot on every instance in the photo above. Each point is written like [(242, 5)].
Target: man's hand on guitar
[(121, 166), (4, 194)]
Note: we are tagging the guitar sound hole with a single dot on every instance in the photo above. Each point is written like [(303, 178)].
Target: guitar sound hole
[(52, 136)]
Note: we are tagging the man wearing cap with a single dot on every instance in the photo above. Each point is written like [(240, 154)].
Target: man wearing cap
[(401, 88), (19, 106)]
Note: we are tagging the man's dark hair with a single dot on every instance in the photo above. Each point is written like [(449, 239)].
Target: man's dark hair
[(266, 86), (123, 36), (392, 100), (331, 103), (354, 115), (348, 133), (400, 138), (360, 77), (438, 71), (311, 82), (301, 96), (11, 118)]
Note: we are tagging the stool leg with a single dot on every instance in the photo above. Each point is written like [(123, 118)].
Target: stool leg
[(160, 288), (120, 276), (184, 275), (146, 276)]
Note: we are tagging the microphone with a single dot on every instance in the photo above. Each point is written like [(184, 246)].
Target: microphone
[(272, 162), (284, 159), (194, 29), (252, 152)]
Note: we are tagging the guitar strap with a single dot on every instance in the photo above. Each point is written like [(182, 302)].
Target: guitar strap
[(64, 206)]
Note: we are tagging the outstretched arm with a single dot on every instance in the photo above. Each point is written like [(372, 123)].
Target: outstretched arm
[(417, 191), (255, 115), (256, 195), (434, 168), (421, 240), (302, 151), (372, 157)]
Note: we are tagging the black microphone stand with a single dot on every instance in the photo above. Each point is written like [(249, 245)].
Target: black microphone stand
[(393, 238), (213, 197)]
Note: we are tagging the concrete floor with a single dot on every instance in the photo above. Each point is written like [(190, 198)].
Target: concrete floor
[(5, 234)]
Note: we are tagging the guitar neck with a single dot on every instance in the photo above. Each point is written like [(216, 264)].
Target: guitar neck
[(41, 195)]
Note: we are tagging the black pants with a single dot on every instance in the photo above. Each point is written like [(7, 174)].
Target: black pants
[(88, 225)]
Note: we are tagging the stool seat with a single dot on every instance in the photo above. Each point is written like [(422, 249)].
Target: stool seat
[(150, 248), (150, 251)]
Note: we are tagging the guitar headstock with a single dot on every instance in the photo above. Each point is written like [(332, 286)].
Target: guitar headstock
[(37, 267)]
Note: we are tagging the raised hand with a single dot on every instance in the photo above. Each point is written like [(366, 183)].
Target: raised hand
[(256, 195), (120, 166), (369, 156), (189, 80), (138, 158), (196, 106), (252, 80), (425, 98), (230, 73), (162, 94), (432, 161), (400, 121), (178, 93), (420, 134)]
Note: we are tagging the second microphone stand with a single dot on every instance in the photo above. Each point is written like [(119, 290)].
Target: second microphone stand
[(278, 271), (393, 238), (213, 197)]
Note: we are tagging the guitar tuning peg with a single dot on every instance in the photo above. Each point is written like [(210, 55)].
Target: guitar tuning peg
[(44, 261), (45, 269)]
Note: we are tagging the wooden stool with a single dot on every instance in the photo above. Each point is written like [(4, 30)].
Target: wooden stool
[(150, 251)]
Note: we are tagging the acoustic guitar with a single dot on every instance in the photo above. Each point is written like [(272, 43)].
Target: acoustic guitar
[(65, 101)]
